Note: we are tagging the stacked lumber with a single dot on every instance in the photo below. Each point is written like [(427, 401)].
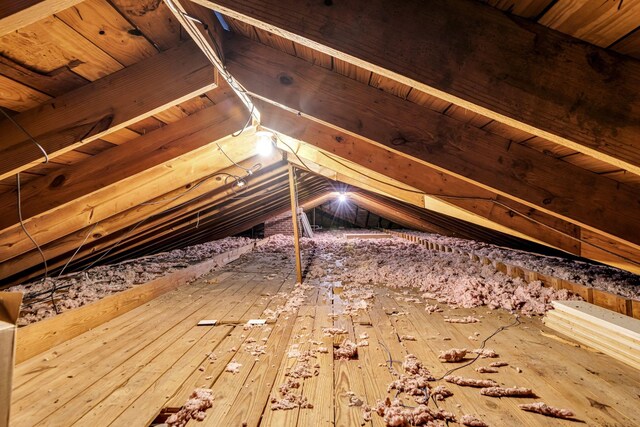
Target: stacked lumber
[(601, 329)]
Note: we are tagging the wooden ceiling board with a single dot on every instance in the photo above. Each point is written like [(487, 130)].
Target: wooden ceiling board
[(50, 44), (629, 45), (524, 8), (601, 22), (105, 27), (153, 19), (18, 97)]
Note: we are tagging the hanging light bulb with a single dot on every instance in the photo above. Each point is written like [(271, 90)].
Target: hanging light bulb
[(342, 197), (264, 143)]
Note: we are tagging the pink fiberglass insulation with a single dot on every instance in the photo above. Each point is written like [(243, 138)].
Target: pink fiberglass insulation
[(346, 351), (494, 391), (485, 352), (470, 382), (78, 289), (598, 276), (549, 411), (472, 421), (467, 319), (396, 414), (453, 355), (486, 370), (194, 409)]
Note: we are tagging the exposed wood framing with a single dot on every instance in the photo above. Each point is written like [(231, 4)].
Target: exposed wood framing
[(104, 106), (119, 197), (474, 201), (99, 172), (509, 69), (15, 14), (433, 139), (294, 219)]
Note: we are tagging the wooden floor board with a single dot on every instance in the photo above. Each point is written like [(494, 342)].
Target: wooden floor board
[(125, 371)]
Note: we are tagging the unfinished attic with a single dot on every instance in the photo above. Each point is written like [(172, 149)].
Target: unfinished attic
[(319, 213)]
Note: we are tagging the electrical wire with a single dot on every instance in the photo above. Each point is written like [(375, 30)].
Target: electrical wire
[(44, 153), (78, 249), (516, 322), (44, 258)]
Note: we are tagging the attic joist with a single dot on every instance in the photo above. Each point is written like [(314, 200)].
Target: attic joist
[(451, 196), (509, 69), (104, 106), (108, 232), (436, 140), (15, 14), (128, 193)]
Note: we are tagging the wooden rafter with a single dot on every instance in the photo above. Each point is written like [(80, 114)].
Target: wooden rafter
[(509, 69), (104, 106), (15, 14)]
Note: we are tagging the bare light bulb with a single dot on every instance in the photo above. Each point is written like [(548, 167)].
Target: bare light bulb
[(342, 197), (264, 144)]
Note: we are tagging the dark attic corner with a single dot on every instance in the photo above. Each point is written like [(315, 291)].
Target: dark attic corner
[(324, 213)]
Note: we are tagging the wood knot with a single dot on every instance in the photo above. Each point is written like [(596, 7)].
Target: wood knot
[(285, 79), (339, 138), (58, 181)]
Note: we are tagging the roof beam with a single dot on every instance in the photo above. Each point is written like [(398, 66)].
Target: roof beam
[(201, 192), (104, 106), (501, 66), (126, 194), (436, 140), (98, 172), (15, 14), (451, 196)]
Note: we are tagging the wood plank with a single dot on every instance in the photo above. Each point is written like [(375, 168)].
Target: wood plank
[(294, 218), (153, 19), (101, 24), (20, 13), (160, 146), (509, 80), (54, 83), (617, 322), (128, 345), (39, 337), (50, 44), (94, 110), (18, 97), (433, 139), (600, 23)]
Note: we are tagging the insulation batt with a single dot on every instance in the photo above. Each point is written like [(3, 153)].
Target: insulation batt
[(346, 351), (453, 355), (441, 392), (471, 382), (486, 370), (98, 282), (471, 421), (450, 278), (601, 277), (468, 319), (549, 411), (485, 352), (200, 400), (507, 392), (396, 414)]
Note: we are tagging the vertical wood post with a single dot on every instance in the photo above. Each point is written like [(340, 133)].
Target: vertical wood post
[(294, 218)]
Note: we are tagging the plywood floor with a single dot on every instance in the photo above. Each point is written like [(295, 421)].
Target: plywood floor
[(126, 371)]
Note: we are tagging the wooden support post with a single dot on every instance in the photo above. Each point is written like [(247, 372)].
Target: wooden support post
[(294, 218)]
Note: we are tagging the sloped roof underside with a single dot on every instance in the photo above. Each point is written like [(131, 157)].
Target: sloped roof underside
[(517, 134)]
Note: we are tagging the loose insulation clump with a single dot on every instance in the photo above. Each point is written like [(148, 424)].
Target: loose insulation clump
[(194, 409)]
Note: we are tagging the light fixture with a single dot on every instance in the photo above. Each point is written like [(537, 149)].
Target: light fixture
[(240, 183), (264, 143), (342, 197)]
